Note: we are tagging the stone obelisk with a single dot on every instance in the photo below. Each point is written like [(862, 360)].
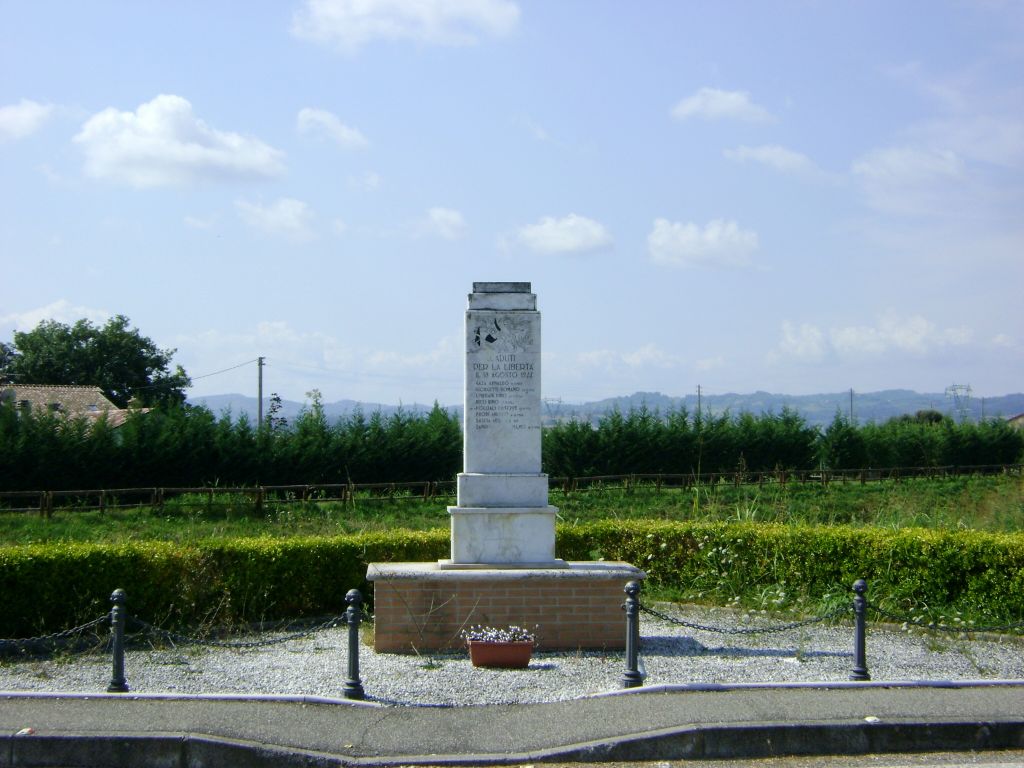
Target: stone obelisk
[(502, 568), (502, 515)]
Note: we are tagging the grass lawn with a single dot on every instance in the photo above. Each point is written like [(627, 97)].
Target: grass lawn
[(989, 503)]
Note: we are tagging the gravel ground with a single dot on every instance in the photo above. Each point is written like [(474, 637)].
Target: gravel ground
[(316, 665)]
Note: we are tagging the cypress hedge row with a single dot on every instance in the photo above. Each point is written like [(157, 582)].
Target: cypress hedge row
[(48, 588), (189, 447)]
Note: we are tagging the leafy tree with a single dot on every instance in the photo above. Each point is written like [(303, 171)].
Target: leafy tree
[(7, 355), (115, 357)]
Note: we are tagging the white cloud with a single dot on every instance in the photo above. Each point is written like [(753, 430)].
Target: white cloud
[(709, 363), (951, 93), (719, 243), (715, 104), (912, 334), (997, 141), (536, 129), (446, 353), (909, 180), (445, 223), (805, 342), (285, 216), (278, 341), (163, 143), (298, 360), (570, 234), (648, 355), (350, 24), (774, 156), (62, 311), (907, 165), (891, 333), (320, 122), (22, 119)]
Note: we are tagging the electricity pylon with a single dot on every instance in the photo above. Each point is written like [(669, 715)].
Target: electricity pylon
[(961, 394)]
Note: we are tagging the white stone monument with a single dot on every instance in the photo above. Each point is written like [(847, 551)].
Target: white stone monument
[(502, 567), (502, 515)]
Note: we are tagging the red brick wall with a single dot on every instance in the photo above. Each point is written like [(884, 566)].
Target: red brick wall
[(567, 614)]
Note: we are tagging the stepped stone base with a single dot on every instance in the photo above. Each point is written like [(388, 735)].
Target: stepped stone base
[(425, 606), (502, 535)]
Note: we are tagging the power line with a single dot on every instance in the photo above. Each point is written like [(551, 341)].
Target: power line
[(217, 373), (361, 375)]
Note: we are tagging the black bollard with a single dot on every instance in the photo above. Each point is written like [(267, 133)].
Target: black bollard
[(860, 609), (118, 682), (353, 685), (632, 677)]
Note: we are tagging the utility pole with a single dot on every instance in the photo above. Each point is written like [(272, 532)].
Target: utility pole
[(851, 406), (259, 395), (698, 402)]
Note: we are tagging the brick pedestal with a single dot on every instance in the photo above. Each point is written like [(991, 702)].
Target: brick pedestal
[(578, 606)]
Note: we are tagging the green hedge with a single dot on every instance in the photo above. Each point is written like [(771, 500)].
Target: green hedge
[(941, 573), (48, 588)]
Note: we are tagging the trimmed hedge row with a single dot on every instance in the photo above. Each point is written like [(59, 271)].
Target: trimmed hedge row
[(51, 587), (975, 573)]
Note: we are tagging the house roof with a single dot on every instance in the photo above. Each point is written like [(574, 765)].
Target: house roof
[(72, 400)]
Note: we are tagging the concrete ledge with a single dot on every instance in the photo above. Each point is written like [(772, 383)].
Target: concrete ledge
[(574, 569), (503, 302), (450, 565)]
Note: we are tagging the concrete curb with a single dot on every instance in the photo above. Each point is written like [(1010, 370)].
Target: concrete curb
[(718, 722), (189, 750)]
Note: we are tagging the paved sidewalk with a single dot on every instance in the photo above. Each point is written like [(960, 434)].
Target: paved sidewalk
[(648, 724)]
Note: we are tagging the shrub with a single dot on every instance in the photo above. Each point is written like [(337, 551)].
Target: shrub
[(53, 587)]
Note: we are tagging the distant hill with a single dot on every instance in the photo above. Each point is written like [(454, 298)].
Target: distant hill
[(816, 409), (238, 404)]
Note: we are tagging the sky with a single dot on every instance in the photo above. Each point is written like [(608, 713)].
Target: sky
[(794, 197)]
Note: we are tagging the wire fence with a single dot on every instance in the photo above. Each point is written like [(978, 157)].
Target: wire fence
[(780, 477), (54, 641), (119, 621), (635, 673), (768, 630), (255, 498), (177, 638)]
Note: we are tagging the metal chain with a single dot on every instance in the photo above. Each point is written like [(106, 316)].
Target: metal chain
[(26, 641), (176, 637), (748, 630), (944, 627)]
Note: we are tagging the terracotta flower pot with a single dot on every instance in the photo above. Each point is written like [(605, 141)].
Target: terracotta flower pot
[(514, 655)]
